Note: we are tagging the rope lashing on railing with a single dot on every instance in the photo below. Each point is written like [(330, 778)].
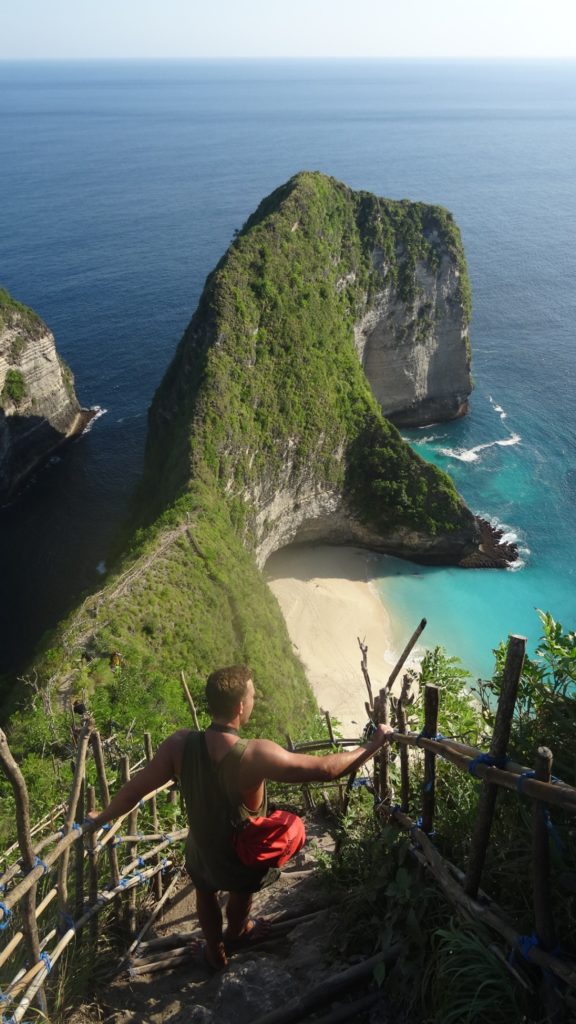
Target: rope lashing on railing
[(46, 958), (39, 863), (521, 777), (7, 914), (488, 759)]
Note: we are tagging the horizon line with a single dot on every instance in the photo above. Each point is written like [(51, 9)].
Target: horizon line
[(292, 57)]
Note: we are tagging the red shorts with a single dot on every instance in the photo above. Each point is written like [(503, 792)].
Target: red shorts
[(270, 841)]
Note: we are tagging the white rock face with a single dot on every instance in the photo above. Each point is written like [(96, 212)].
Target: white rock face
[(417, 357), (38, 406)]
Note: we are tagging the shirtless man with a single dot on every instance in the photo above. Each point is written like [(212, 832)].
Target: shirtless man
[(223, 782)]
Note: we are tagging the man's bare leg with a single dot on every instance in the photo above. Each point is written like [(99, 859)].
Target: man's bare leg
[(238, 915), (210, 918)]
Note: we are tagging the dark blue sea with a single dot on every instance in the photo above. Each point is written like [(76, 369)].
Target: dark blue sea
[(121, 187)]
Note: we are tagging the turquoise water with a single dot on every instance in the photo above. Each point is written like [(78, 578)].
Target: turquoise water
[(122, 185)]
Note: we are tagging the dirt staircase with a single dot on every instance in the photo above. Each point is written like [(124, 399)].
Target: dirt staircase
[(297, 955)]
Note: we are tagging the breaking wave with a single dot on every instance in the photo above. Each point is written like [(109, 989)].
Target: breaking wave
[(98, 412), (472, 454), (497, 408)]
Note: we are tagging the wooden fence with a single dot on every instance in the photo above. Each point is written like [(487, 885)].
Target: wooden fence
[(495, 770), (48, 900)]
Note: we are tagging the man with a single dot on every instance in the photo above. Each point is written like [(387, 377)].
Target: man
[(223, 784)]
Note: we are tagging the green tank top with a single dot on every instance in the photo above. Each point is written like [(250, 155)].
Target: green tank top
[(215, 809)]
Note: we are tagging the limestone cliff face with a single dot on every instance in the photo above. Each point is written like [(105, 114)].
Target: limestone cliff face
[(415, 351), (329, 308), (38, 407)]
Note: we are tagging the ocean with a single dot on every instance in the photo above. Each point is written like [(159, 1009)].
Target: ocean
[(122, 184)]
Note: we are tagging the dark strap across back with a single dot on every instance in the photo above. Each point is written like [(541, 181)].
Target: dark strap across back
[(215, 809)]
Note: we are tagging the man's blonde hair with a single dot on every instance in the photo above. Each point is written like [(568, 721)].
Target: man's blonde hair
[(225, 688)]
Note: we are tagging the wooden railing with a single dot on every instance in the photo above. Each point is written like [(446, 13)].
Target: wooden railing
[(48, 900), (495, 770)]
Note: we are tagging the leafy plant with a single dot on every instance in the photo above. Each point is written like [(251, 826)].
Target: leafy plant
[(14, 389)]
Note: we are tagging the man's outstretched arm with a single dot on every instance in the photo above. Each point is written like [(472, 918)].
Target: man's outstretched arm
[(266, 760), (164, 766)]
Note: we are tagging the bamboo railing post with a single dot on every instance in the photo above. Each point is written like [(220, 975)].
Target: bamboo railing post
[(79, 864), (541, 857), (364, 668), (131, 851), (543, 913), (308, 800), (384, 752), (330, 729), (404, 758), (154, 816), (498, 748), (29, 924), (431, 697), (376, 759), (105, 800), (92, 870), (189, 700), (405, 654), (70, 817)]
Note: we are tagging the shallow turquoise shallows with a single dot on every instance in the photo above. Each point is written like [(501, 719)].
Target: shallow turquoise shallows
[(122, 185)]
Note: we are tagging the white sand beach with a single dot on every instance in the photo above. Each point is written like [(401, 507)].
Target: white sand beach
[(328, 601)]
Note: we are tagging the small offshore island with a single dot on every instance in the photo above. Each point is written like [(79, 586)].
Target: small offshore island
[(332, 313), (39, 410)]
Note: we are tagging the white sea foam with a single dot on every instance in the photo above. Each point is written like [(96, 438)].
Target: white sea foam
[(98, 412), (101, 568), (472, 454), (497, 408), (430, 438)]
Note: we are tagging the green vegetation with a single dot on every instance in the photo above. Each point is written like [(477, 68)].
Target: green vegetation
[(450, 971), (15, 313), (17, 347), (267, 371), (14, 389)]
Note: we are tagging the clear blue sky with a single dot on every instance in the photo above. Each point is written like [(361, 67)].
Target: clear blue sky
[(291, 28)]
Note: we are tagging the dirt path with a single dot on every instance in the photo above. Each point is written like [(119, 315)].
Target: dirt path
[(297, 955)]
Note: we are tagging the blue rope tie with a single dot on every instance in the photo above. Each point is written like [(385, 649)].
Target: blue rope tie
[(428, 786), (168, 838), (520, 780), (117, 840), (141, 863), (44, 956), (492, 762), (76, 827), (106, 827), (38, 863), (164, 863), (7, 915), (524, 944), (139, 876)]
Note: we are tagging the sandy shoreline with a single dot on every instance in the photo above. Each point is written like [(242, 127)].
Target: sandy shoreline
[(328, 601)]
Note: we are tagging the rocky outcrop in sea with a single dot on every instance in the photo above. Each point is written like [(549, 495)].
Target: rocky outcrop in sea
[(38, 405)]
